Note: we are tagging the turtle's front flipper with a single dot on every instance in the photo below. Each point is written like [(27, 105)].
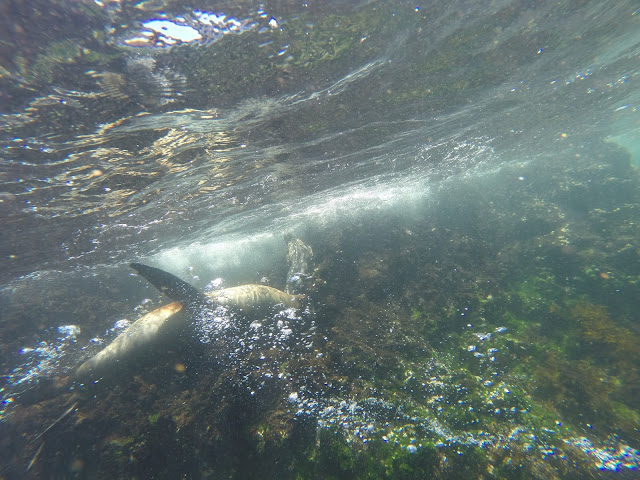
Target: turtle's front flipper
[(170, 285)]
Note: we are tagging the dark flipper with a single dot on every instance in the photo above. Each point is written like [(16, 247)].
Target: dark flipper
[(170, 285)]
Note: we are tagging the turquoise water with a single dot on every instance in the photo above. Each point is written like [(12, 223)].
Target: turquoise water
[(462, 177)]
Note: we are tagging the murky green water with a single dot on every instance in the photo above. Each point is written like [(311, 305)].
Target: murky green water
[(452, 186)]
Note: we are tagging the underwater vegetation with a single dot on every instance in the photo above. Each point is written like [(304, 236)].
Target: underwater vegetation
[(493, 335), (436, 349)]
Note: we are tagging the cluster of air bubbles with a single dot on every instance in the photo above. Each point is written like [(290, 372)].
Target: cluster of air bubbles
[(481, 348), (615, 457), (37, 362), (218, 323), (68, 332), (411, 428), (213, 285), (44, 358), (280, 328), (214, 323), (297, 281), (358, 419), (258, 349), (364, 419), (144, 306), (121, 325)]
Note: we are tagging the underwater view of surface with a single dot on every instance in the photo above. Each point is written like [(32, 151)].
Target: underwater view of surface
[(322, 239)]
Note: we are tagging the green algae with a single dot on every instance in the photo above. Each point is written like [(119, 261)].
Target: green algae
[(573, 347), (407, 341), (493, 382), (610, 338), (58, 58), (153, 418), (496, 384)]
